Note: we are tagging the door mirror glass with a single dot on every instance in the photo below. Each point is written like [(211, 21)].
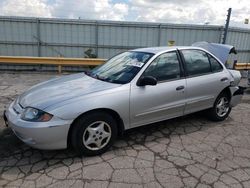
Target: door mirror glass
[(147, 80)]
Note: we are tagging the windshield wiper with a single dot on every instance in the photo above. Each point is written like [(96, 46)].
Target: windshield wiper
[(89, 74), (96, 76), (101, 78)]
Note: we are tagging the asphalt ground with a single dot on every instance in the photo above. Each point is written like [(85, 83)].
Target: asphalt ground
[(190, 151)]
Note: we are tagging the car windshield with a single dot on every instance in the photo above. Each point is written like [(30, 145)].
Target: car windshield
[(122, 68)]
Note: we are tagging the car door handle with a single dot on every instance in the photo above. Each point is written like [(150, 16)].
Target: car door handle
[(180, 88), (224, 79)]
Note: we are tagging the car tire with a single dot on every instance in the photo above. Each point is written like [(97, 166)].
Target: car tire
[(221, 108), (93, 133)]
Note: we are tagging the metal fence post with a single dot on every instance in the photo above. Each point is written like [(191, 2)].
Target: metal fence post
[(159, 35), (96, 38), (38, 37)]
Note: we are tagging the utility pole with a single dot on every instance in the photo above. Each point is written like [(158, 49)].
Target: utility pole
[(226, 26)]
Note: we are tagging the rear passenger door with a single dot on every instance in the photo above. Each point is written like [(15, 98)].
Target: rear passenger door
[(205, 79)]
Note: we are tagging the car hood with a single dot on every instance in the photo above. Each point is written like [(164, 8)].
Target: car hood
[(60, 89), (221, 51)]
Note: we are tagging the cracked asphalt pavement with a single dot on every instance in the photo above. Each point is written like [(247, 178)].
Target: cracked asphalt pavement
[(184, 152)]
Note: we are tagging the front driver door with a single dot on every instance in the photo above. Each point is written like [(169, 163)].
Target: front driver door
[(165, 100)]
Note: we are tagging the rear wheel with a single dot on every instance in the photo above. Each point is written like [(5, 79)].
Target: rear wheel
[(93, 133), (221, 108)]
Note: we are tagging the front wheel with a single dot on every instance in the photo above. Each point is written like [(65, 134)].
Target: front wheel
[(221, 108), (93, 133)]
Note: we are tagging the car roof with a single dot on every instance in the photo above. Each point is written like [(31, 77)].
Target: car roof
[(156, 50)]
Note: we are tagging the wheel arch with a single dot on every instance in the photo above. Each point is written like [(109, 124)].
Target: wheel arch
[(227, 91), (111, 112), (211, 112)]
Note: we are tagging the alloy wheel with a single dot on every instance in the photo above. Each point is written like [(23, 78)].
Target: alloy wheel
[(222, 107), (97, 135)]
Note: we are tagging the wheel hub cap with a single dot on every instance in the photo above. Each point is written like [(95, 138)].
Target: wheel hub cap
[(222, 107), (97, 135)]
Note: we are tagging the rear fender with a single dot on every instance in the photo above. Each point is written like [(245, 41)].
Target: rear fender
[(236, 95)]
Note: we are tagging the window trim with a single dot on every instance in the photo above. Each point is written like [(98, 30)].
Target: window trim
[(183, 64), (182, 75)]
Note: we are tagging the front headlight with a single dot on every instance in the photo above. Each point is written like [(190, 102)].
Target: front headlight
[(33, 114)]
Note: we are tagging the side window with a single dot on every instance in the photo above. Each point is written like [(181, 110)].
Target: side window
[(196, 62), (215, 65), (164, 67)]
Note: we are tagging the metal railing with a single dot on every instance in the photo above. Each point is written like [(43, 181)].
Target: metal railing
[(58, 61), (242, 66)]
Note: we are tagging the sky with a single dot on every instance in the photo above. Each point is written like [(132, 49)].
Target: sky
[(212, 12)]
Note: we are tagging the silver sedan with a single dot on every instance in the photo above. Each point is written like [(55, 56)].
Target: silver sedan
[(89, 110)]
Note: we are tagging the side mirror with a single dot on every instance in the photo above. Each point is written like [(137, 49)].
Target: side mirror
[(147, 80)]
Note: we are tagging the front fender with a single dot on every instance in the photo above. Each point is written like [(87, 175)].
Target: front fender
[(116, 99)]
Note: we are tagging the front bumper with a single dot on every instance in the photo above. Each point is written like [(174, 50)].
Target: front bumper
[(42, 135)]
